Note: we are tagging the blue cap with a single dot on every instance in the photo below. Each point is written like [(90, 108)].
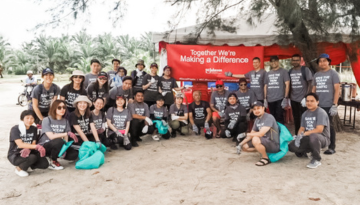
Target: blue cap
[(47, 70), (324, 55)]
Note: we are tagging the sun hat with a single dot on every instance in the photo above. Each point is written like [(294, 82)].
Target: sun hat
[(82, 98), (77, 72), (140, 62), (323, 55)]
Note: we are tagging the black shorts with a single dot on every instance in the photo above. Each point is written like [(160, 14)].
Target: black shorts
[(270, 146)]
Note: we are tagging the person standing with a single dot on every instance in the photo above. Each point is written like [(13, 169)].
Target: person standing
[(150, 85), (217, 104), (72, 90), (117, 80), (326, 85), (93, 75), (123, 90), (166, 85), (300, 85), (116, 63), (246, 97), (99, 88), (257, 79), (276, 89), (314, 132), (138, 75)]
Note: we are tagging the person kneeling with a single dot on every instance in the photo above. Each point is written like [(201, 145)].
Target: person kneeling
[(179, 116), (235, 119), (314, 132), (99, 119), (140, 124), (264, 136), (159, 112), (200, 115), (23, 151)]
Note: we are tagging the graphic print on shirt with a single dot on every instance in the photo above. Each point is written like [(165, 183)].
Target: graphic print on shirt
[(310, 123), (274, 81), (321, 84)]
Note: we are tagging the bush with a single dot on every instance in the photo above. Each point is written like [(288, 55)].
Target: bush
[(20, 71)]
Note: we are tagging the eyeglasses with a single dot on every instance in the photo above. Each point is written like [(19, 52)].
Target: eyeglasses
[(242, 84), (219, 86), (61, 107), (77, 76), (103, 78)]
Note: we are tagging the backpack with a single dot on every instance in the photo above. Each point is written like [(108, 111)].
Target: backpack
[(285, 137), (303, 72)]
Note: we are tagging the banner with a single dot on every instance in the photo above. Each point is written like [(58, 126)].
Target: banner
[(209, 63)]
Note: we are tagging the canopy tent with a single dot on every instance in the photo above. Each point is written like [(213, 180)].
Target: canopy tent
[(338, 44)]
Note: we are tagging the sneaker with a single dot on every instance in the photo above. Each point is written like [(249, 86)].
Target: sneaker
[(55, 165), (21, 173), (313, 164), (330, 151), (134, 144), (156, 137)]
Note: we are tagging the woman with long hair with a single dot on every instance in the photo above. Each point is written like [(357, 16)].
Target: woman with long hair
[(56, 131), (166, 85), (99, 88), (72, 90), (99, 118)]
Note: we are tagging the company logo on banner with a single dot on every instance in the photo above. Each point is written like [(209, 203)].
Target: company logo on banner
[(209, 63)]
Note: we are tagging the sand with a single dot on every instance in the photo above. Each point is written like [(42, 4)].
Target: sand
[(182, 170)]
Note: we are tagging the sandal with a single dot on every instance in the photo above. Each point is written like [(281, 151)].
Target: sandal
[(263, 162)]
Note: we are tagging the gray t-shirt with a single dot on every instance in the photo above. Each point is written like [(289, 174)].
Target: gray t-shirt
[(89, 78), (99, 119), (92, 94), (246, 99), (158, 112), (153, 90), (267, 120), (178, 111), (139, 109), (167, 85), (115, 91), (219, 100), (324, 82), (118, 119), (275, 81), (55, 126), (45, 96), (233, 114), (311, 119), (257, 80), (299, 86)]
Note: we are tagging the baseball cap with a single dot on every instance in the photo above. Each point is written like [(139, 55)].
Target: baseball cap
[(257, 103), (219, 82), (323, 55), (102, 74), (47, 70), (154, 65)]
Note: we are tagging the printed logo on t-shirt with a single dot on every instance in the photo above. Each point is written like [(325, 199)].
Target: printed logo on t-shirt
[(274, 81), (84, 125), (255, 80), (244, 101), (321, 84), (71, 98), (166, 85), (58, 128), (220, 103), (310, 123), (140, 111), (119, 121), (295, 80), (199, 113)]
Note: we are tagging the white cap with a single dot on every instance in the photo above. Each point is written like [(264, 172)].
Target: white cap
[(29, 72)]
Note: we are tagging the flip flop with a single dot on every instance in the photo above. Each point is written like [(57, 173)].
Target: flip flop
[(262, 162)]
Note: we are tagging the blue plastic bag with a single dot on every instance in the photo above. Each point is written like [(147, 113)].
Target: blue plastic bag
[(161, 128), (91, 156), (285, 138), (64, 148)]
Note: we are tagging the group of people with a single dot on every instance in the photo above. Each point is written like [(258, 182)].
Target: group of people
[(113, 109)]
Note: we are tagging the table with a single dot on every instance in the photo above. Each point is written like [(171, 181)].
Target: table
[(353, 105)]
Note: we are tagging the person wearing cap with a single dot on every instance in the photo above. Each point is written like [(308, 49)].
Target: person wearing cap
[(99, 88), (81, 121), (300, 84), (150, 85), (138, 75), (72, 90), (43, 95), (116, 64), (199, 113), (217, 104), (326, 85), (246, 97), (179, 116), (141, 123), (118, 119), (256, 77), (124, 90), (166, 86), (264, 136), (235, 119), (276, 89), (160, 112), (314, 132), (31, 79), (56, 131), (23, 152), (93, 75), (116, 81), (99, 119)]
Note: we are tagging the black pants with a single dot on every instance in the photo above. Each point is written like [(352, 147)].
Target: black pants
[(332, 131), (89, 136), (312, 143), (277, 111), (54, 146), (201, 123), (239, 128), (297, 111), (136, 127), (120, 140), (104, 140), (33, 160)]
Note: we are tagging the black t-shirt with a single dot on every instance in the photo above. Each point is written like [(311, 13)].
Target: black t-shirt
[(82, 121), (167, 85), (92, 93), (71, 94), (153, 90), (199, 111), (15, 134)]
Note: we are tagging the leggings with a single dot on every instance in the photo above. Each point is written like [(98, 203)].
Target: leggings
[(33, 160), (54, 146), (120, 140)]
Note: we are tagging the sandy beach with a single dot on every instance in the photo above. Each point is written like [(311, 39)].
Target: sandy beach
[(182, 170)]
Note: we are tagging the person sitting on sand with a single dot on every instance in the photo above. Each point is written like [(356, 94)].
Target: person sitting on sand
[(264, 136), (179, 116), (314, 132)]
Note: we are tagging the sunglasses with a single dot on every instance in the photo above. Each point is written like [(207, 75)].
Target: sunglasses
[(219, 86), (103, 78), (61, 107), (77, 76), (242, 84)]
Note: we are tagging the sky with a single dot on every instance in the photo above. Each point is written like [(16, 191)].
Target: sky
[(19, 17)]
